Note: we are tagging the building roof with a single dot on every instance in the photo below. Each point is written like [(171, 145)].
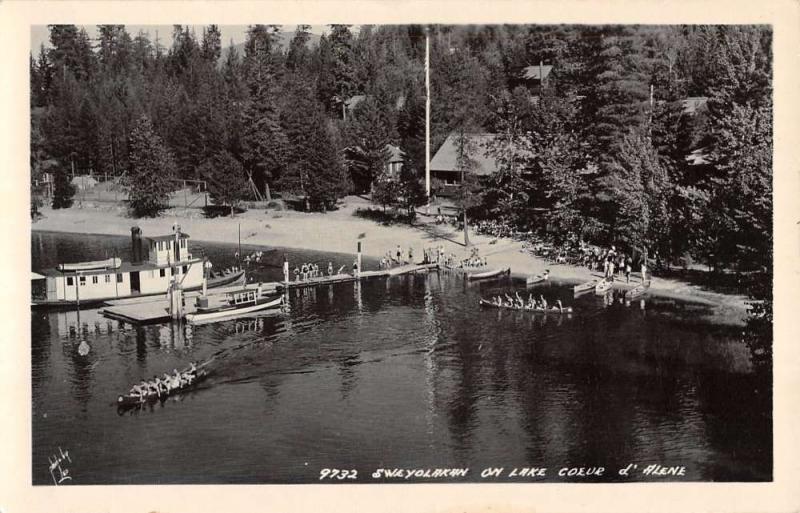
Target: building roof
[(397, 153), (167, 237), (446, 159), (698, 157), (694, 103), (351, 102), (536, 72)]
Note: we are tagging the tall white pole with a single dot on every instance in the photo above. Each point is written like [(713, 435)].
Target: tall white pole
[(427, 116)]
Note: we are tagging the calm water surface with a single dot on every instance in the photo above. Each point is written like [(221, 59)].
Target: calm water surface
[(406, 372)]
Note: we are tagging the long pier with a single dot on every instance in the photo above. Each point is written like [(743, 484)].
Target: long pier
[(154, 309)]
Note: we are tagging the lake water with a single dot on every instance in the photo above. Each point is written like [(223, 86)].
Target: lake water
[(407, 372)]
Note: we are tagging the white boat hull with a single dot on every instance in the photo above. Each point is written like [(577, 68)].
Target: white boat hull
[(217, 315), (109, 263)]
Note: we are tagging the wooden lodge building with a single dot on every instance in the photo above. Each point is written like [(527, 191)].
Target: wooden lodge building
[(444, 164)]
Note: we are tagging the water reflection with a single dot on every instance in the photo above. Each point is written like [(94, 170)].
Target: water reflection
[(406, 372)]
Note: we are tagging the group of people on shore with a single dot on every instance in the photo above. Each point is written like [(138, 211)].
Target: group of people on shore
[(531, 304), (614, 263), (163, 386), (474, 259)]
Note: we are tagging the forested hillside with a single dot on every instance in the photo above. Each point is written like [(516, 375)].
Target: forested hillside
[(607, 149)]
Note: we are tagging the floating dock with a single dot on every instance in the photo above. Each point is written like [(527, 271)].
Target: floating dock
[(154, 309)]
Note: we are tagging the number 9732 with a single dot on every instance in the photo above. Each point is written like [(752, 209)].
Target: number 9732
[(337, 474)]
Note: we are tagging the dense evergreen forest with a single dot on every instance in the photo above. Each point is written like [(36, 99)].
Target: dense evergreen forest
[(605, 150)]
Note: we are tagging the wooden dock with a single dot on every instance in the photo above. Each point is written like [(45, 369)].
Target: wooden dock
[(154, 309)]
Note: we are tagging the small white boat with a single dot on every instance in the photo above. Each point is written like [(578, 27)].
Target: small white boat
[(494, 273), (240, 302), (638, 290), (539, 278), (603, 287), (585, 287), (108, 263)]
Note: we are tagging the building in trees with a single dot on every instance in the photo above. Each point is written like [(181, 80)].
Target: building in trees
[(445, 166), (534, 78)]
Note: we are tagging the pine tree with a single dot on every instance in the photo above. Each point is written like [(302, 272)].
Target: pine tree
[(341, 44), (639, 187), (63, 190), (315, 171), (150, 172), (226, 180), (368, 153), (211, 46), (298, 57)]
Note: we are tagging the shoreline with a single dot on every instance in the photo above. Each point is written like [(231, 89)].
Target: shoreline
[(339, 232)]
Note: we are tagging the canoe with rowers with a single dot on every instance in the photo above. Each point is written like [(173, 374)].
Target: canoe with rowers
[(162, 387), (531, 305)]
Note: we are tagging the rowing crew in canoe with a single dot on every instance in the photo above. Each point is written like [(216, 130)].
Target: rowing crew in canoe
[(159, 387), (521, 304)]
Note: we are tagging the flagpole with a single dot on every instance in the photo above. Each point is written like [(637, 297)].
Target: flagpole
[(427, 116)]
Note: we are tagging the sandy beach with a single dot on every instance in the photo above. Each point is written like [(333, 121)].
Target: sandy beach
[(339, 231)]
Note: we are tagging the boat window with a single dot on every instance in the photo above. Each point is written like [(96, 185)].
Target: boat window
[(162, 272), (70, 281), (94, 279), (82, 280), (108, 278), (119, 277), (185, 269)]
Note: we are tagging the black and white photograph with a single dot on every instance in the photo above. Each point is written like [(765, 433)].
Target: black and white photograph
[(399, 253)]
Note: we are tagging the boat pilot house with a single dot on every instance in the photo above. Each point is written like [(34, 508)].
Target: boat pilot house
[(155, 262)]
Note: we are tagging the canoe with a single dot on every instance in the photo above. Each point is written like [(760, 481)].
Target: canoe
[(489, 274), (602, 287), (128, 401), (533, 280), (108, 263), (226, 311), (585, 287), (554, 310), (637, 291)]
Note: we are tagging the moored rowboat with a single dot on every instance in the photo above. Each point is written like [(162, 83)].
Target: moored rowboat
[(638, 290), (238, 305), (488, 274), (539, 278), (585, 287), (602, 287), (555, 309)]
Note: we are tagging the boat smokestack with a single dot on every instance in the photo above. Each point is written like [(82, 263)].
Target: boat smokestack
[(136, 245)]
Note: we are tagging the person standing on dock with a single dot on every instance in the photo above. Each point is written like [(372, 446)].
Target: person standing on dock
[(330, 268)]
